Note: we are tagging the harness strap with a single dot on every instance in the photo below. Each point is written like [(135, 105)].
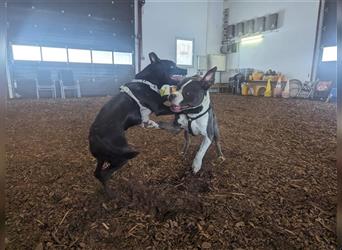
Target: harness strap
[(143, 110), (191, 119), (151, 85)]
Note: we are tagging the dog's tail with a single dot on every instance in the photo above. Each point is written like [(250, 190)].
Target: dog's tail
[(104, 149)]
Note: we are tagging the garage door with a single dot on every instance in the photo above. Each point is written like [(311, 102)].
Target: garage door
[(94, 39)]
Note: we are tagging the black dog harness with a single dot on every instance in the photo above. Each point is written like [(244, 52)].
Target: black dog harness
[(191, 119)]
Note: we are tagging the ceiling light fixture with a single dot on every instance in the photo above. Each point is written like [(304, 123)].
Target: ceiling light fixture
[(252, 39)]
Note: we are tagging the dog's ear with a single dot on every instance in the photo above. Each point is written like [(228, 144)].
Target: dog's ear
[(153, 57), (209, 78)]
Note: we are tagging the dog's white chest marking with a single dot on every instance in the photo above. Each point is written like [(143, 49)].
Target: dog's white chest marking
[(183, 121), (198, 126)]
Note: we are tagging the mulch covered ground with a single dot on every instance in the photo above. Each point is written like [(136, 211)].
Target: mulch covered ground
[(276, 190)]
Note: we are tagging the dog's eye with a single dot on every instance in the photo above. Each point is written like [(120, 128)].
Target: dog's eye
[(187, 93)]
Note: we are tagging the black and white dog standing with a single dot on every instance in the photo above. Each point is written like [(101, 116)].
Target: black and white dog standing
[(132, 106), (196, 115)]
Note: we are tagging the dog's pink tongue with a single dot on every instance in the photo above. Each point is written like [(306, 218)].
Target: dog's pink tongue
[(176, 108)]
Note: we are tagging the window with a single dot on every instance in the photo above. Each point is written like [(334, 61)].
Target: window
[(105, 57), (329, 54), (54, 54), (184, 52), (26, 53), (122, 58), (79, 56)]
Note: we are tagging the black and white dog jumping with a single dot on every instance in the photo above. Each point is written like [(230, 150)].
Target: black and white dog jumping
[(192, 101), (132, 106)]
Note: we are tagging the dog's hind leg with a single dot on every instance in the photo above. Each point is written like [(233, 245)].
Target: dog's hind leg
[(217, 142), (186, 143), (112, 152), (98, 170), (104, 171), (107, 174), (98, 173)]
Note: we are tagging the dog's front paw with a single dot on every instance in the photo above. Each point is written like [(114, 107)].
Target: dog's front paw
[(150, 124), (196, 166)]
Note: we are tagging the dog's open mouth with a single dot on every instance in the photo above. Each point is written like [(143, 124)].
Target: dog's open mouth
[(177, 78), (179, 108)]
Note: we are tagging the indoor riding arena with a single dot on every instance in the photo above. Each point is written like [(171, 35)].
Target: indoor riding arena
[(82, 76)]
